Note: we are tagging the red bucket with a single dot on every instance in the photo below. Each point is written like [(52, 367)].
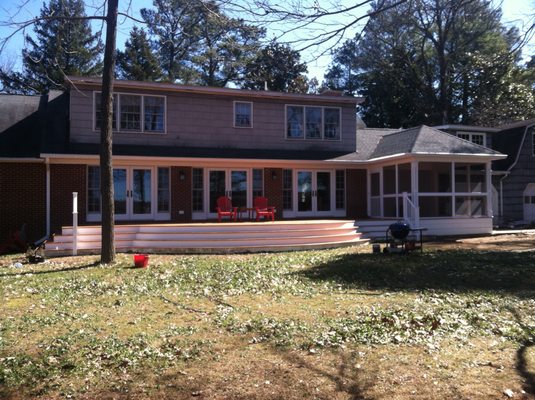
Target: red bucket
[(141, 260)]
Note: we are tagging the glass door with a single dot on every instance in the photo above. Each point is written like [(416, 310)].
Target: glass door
[(238, 188), (323, 192), (304, 192), (120, 193), (217, 187), (314, 193), (141, 193)]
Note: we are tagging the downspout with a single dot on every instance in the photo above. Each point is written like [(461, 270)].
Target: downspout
[(47, 163)]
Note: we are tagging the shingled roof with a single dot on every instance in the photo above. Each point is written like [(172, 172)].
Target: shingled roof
[(379, 143)]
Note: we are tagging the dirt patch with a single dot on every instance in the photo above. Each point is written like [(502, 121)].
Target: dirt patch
[(518, 242)]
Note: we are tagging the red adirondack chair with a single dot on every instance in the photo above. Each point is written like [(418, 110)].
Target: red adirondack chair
[(224, 209), (260, 205)]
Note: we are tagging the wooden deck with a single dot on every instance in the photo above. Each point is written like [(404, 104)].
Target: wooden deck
[(225, 237)]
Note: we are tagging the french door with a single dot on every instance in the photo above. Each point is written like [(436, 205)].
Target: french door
[(233, 183), (314, 194), (133, 191)]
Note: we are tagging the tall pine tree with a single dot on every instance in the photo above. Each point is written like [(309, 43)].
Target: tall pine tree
[(137, 62), (62, 45), (279, 67)]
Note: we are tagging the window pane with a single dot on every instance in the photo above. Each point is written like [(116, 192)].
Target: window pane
[(258, 183), (313, 122), (130, 112), (93, 189), (98, 110), (163, 189), (477, 138), (242, 114), (198, 189), (154, 113), (294, 121), (287, 189), (332, 123)]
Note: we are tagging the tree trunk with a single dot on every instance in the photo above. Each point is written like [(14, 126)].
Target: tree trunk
[(107, 254)]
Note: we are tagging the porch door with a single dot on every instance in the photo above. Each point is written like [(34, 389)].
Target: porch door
[(314, 193), (141, 204), (233, 183), (121, 193), (133, 193)]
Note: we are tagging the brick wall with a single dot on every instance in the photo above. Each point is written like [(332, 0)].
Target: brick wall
[(273, 189), (356, 193), (23, 199), (65, 179), (181, 195)]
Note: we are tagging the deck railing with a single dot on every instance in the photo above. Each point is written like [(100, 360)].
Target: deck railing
[(411, 213)]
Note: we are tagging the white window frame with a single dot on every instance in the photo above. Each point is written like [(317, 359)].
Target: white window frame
[(142, 116), (234, 114), (304, 136), (471, 137)]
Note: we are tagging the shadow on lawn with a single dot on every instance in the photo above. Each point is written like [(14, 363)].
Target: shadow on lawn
[(442, 270), (50, 271), (522, 354)]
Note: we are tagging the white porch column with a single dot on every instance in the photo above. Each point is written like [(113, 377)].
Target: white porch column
[(488, 180), (414, 183)]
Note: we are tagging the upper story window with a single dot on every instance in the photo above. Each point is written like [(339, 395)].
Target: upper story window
[(477, 138), (137, 113), (310, 122), (243, 114)]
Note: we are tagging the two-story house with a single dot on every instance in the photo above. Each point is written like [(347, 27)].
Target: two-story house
[(178, 148)]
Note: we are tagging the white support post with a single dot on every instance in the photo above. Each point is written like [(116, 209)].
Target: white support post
[(488, 181), (74, 223)]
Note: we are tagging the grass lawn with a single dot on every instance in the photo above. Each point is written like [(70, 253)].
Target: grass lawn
[(333, 324)]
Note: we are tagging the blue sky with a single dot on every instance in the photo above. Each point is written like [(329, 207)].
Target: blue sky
[(515, 12)]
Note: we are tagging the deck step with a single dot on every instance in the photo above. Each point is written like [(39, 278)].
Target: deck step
[(214, 237)]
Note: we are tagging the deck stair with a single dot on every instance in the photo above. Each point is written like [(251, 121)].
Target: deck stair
[(214, 237), (374, 228)]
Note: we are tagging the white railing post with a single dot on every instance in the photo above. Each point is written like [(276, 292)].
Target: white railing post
[(406, 211), (74, 223)]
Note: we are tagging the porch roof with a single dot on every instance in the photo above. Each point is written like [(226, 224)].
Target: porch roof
[(375, 144)]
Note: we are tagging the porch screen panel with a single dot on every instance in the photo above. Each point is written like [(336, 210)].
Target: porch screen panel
[(477, 178), (389, 180), (375, 203), (435, 206), (389, 207), (340, 189), (287, 189), (434, 177), (93, 190), (258, 183), (404, 178), (197, 189), (163, 190), (470, 206)]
